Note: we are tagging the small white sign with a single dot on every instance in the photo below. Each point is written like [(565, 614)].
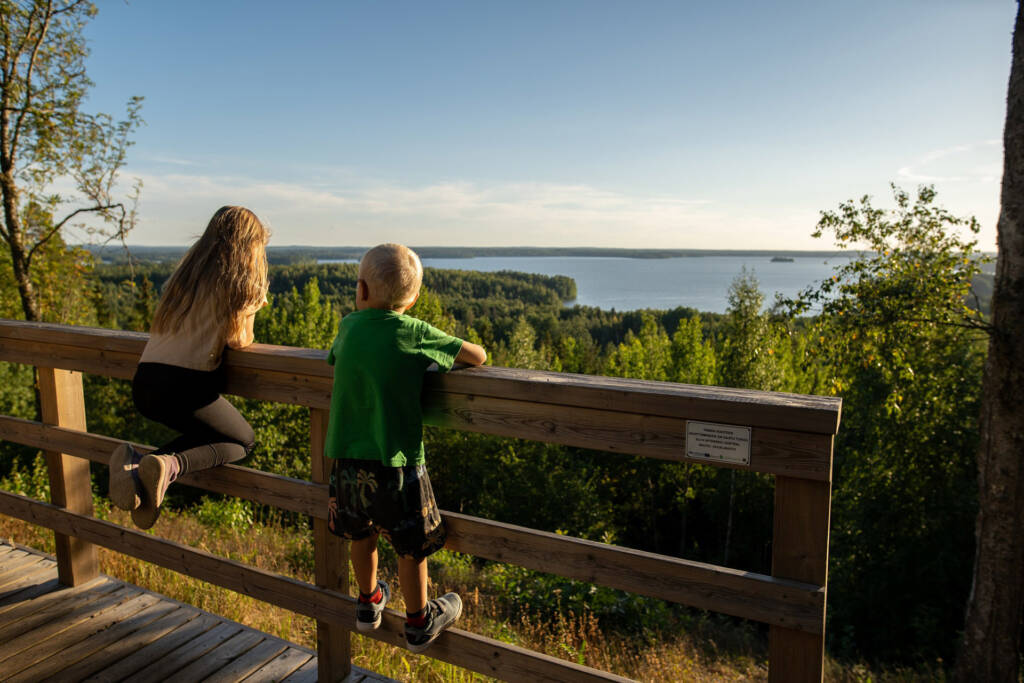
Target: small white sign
[(710, 441)]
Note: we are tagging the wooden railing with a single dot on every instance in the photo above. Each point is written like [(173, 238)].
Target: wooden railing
[(790, 436)]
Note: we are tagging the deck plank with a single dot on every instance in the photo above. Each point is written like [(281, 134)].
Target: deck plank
[(135, 663), (188, 652), (218, 658), (281, 666), (125, 646), (29, 614), (55, 636), (249, 662), (29, 589), (117, 624), (107, 630), (56, 617), (307, 673)]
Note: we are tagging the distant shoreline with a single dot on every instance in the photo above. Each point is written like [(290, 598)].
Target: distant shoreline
[(297, 254)]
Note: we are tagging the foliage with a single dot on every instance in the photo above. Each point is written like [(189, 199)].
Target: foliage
[(48, 137), (899, 343)]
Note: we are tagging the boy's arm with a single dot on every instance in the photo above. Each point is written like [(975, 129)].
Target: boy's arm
[(471, 354)]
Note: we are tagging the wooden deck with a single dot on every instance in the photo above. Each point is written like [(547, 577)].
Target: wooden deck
[(108, 630)]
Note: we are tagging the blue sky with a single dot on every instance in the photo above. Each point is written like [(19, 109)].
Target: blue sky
[(554, 123)]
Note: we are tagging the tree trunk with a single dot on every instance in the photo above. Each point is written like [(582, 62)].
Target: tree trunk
[(19, 258), (990, 650)]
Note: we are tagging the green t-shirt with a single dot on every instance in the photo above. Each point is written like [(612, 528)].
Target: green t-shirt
[(379, 358)]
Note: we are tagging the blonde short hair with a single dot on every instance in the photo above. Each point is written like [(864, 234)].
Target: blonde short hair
[(393, 273)]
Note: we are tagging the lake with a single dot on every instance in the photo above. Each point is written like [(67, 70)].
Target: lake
[(627, 284)]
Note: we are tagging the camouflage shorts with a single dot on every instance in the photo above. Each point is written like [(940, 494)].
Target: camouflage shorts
[(367, 497)]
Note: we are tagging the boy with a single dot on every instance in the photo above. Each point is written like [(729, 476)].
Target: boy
[(379, 479)]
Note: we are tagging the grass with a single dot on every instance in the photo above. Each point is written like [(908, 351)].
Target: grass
[(702, 649)]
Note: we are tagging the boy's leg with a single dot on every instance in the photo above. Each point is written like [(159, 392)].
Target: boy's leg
[(364, 563), (412, 574)]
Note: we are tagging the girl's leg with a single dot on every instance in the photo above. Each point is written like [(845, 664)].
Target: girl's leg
[(211, 435)]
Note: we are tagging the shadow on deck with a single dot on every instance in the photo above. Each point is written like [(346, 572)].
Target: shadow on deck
[(108, 630)]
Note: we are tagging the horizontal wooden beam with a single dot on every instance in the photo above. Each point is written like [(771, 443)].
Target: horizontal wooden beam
[(794, 605), (794, 454), (285, 493), (484, 655), (794, 412)]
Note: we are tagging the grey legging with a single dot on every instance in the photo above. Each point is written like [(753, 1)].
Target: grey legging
[(213, 432)]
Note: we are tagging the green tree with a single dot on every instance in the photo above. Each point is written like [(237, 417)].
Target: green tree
[(900, 345), (45, 135), (751, 342), (693, 356), (647, 355)]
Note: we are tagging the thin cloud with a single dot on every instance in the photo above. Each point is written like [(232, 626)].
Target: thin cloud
[(176, 206), (957, 164)]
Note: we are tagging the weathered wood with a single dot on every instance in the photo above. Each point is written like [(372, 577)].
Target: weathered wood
[(217, 658), (796, 605), (84, 358), (796, 454), (458, 647), (45, 641), (107, 629), (799, 552), (28, 589), (188, 652), (247, 663), (151, 655), (62, 403), (126, 644), (13, 568), (306, 673), (819, 414), (53, 607), (35, 572), (282, 666), (331, 558)]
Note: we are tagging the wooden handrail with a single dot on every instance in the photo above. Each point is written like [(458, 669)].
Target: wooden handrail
[(790, 437)]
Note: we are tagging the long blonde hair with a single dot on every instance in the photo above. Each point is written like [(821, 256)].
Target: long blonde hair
[(224, 274)]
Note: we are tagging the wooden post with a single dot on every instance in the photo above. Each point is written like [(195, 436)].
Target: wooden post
[(62, 403), (800, 552), (333, 642)]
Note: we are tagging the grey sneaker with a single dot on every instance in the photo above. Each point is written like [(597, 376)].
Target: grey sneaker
[(441, 613), (368, 613)]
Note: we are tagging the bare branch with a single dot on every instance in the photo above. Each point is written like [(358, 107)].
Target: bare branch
[(60, 224)]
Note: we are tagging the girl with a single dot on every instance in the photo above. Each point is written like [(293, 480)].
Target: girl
[(210, 301)]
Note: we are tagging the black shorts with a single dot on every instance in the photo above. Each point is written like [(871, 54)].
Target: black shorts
[(367, 498)]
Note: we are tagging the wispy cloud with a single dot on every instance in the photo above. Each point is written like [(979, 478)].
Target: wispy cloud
[(176, 206), (975, 162)]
